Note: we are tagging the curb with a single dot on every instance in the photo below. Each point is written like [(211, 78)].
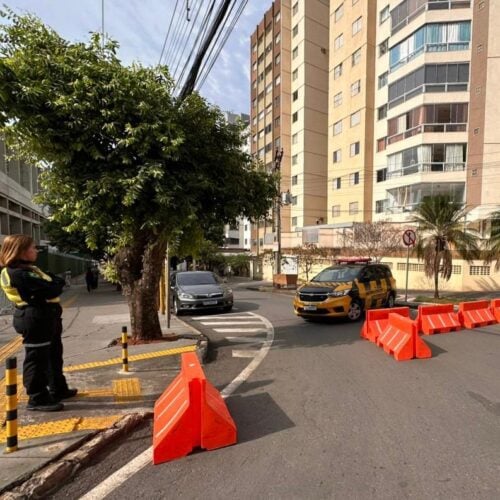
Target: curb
[(202, 345), (62, 468)]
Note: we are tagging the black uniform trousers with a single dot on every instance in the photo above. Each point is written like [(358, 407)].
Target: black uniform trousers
[(41, 328)]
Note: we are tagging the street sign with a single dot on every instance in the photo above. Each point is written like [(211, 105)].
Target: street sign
[(409, 237)]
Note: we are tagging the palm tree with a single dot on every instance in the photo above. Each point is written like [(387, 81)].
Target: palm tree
[(441, 229), (493, 244)]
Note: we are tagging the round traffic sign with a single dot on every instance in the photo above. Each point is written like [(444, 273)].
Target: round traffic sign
[(409, 237)]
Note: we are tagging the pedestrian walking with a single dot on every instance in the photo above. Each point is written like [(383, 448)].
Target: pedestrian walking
[(89, 279), (37, 317)]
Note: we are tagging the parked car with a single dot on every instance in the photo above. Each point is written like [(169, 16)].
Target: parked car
[(346, 290), (199, 290)]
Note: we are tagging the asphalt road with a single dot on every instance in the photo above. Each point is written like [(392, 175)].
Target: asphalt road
[(328, 415)]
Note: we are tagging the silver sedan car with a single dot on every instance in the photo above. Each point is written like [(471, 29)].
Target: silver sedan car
[(199, 290)]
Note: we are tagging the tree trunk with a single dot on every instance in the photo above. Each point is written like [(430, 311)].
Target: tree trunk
[(436, 275), (139, 266)]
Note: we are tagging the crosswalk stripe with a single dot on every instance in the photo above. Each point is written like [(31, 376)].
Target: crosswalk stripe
[(208, 323), (201, 318), (239, 330), (244, 354)]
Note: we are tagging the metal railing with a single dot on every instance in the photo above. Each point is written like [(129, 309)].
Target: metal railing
[(427, 167), (429, 87), (427, 127)]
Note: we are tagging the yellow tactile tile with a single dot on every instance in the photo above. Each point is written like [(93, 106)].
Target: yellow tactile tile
[(10, 348), (126, 389), (135, 357), (62, 427)]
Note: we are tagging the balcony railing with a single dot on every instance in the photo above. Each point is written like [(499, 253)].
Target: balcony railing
[(427, 88), (427, 167), (422, 6), (427, 127)]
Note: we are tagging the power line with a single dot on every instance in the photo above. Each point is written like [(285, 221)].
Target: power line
[(168, 32), (173, 39)]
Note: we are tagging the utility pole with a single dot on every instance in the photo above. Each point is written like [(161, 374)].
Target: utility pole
[(277, 168)]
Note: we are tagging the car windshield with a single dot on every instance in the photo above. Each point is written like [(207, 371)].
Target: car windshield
[(337, 274), (191, 279)]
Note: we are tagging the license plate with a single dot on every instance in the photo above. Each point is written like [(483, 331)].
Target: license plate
[(310, 308), (210, 303)]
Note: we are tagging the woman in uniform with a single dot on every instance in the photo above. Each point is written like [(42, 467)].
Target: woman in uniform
[(37, 317)]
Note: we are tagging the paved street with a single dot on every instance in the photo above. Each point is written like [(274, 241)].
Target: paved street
[(327, 415)]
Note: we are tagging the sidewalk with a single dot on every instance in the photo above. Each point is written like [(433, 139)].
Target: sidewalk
[(106, 394)]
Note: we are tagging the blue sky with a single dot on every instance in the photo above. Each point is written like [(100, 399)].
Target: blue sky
[(140, 27)]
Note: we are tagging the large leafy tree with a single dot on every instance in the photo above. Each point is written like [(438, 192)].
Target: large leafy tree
[(125, 162), (441, 231), (493, 243)]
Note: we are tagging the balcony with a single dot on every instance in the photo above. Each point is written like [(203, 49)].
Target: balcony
[(426, 168), (407, 11), (427, 127)]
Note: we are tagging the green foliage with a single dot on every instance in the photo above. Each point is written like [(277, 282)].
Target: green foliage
[(493, 243), (240, 264), (440, 231), (122, 160)]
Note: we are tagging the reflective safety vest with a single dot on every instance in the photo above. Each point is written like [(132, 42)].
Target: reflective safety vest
[(12, 292)]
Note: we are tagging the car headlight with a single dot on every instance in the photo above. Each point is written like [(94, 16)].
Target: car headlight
[(185, 296), (340, 293), (228, 292)]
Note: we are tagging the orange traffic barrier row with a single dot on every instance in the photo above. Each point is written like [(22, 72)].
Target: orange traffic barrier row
[(476, 314), (190, 414), (495, 309), (401, 340), (440, 318), (377, 320)]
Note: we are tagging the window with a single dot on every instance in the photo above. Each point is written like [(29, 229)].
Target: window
[(382, 175), (336, 211), (357, 25), (295, 30), (479, 270), (381, 144), (295, 95), (295, 138), (356, 88), (295, 52), (384, 14), (254, 66), (295, 159), (294, 221), (337, 183), (294, 200), (269, 109), (254, 103), (295, 116), (277, 40), (277, 59), (337, 127), (337, 72), (337, 99), (295, 74), (269, 88), (380, 207), (434, 37), (339, 41), (337, 156), (356, 57), (254, 48), (382, 112), (382, 80), (294, 180), (277, 101), (254, 84), (354, 148), (353, 208), (277, 122), (260, 135), (267, 129), (277, 81), (295, 8), (277, 142), (339, 12), (277, 17), (354, 179), (355, 118), (383, 47)]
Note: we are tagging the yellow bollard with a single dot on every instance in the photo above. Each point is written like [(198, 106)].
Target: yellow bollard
[(11, 404), (124, 349), (162, 307)]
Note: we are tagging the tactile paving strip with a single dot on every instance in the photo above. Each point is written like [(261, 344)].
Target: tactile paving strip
[(10, 348), (127, 389), (135, 357)]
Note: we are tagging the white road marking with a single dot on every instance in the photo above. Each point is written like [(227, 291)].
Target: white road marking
[(140, 461), (239, 330), (227, 316), (209, 323), (244, 353), (109, 319)]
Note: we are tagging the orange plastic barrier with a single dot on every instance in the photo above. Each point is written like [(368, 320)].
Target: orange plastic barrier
[(190, 414), (401, 340), (475, 314), (377, 320), (495, 309), (440, 318)]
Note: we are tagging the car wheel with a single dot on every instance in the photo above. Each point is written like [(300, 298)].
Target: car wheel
[(390, 301), (227, 309), (355, 310), (177, 309)]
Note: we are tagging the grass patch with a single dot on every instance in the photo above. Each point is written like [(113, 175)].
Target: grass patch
[(441, 300)]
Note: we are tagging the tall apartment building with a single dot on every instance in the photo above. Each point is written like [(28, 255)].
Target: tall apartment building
[(18, 184), (289, 99)]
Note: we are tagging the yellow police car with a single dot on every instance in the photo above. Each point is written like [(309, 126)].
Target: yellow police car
[(346, 289)]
